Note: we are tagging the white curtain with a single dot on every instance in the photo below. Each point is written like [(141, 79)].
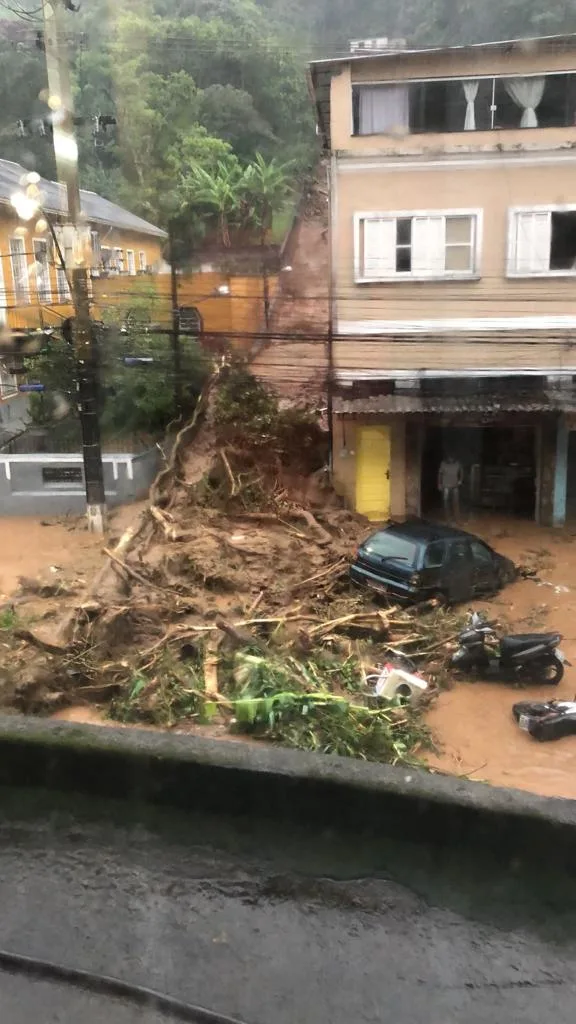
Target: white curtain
[(470, 92), (527, 93), (384, 109)]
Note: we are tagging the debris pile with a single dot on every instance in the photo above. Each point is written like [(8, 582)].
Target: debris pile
[(227, 605)]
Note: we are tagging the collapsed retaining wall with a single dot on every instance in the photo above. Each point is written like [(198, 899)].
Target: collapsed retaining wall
[(248, 780)]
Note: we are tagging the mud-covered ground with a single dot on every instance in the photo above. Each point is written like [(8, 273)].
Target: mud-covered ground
[(471, 723)]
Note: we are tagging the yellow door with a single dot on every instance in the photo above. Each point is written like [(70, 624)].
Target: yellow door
[(373, 472)]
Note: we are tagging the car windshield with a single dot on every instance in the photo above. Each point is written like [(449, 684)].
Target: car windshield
[(391, 546)]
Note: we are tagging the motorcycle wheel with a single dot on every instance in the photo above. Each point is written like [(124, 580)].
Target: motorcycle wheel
[(549, 671)]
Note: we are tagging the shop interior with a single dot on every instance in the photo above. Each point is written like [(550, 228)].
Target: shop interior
[(498, 463)]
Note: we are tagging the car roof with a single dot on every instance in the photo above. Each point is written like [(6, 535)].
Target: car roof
[(419, 530)]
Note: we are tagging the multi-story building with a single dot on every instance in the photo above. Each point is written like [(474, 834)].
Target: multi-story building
[(453, 262), (33, 286), (30, 271)]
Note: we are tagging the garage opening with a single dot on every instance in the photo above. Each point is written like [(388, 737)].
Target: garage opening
[(498, 468)]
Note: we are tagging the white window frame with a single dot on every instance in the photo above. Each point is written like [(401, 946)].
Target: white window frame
[(142, 260), (477, 216), (131, 262), (512, 253), (24, 285), (96, 253), (62, 289), (106, 253), (3, 295), (119, 259), (44, 293)]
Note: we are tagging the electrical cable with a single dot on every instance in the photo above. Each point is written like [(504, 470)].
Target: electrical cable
[(103, 984)]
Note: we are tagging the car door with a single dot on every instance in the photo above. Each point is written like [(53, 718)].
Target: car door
[(484, 580), (431, 574), (459, 571)]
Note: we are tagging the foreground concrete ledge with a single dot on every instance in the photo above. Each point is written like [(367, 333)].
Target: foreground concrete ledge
[(243, 779)]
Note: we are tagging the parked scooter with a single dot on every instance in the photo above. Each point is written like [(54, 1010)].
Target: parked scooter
[(525, 658)]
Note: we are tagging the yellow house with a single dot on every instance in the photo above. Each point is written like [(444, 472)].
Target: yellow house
[(453, 256), (33, 287), (127, 260)]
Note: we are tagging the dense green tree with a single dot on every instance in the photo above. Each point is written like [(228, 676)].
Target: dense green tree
[(194, 82), (134, 399)]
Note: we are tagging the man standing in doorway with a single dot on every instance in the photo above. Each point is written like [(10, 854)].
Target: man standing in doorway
[(450, 478)]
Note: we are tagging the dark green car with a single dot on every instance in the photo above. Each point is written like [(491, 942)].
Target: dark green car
[(417, 560)]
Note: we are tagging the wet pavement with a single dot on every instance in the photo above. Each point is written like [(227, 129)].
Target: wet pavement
[(274, 926)]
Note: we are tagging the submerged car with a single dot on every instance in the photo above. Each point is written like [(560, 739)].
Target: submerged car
[(418, 560)]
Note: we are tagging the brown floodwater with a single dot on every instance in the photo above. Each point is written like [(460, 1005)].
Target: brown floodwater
[(472, 724)]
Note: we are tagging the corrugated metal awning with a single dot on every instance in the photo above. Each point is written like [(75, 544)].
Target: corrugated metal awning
[(543, 401)]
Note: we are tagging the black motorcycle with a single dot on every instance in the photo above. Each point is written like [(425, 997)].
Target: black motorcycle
[(525, 658), (547, 721)]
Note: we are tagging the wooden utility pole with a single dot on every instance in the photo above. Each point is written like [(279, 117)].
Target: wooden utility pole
[(175, 331), (77, 255)]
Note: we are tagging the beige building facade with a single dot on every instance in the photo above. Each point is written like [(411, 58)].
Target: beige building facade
[(453, 274)]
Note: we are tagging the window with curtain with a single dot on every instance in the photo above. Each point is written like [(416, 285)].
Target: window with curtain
[(382, 110), (431, 245), (466, 104)]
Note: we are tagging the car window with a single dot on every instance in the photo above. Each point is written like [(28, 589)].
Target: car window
[(480, 553), (434, 555), (392, 546), (459, 552)]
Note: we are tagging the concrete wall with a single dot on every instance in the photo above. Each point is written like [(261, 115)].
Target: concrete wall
[(25, 491), (414, 443), (546, 436), (339, 793), (242, 309)]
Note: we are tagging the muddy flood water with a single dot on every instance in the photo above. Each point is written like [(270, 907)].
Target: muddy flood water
[(472, 724)]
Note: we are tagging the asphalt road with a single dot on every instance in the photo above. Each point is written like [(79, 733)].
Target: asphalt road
[(273, 927)]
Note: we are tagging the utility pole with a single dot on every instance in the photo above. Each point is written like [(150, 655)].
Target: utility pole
[(266, 293), (175, 331), (77, 254)]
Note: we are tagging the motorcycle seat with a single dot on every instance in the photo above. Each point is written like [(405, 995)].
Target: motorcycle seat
[(512, 645)]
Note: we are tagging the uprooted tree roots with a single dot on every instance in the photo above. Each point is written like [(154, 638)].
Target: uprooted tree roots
[(227, 604)]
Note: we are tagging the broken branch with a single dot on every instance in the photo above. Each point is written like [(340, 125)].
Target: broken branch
[(130, 571)]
